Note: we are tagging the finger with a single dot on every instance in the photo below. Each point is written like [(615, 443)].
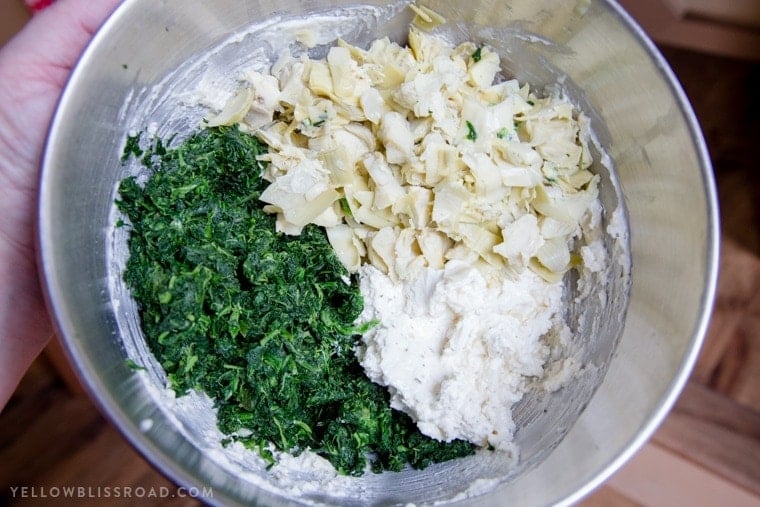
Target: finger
[(56, 36), (34, 66), (40, 59), (37, 5)]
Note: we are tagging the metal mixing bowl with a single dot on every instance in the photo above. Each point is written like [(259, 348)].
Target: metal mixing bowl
[(639, 341)]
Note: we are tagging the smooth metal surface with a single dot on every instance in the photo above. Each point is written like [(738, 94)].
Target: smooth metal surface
[(607, 65)]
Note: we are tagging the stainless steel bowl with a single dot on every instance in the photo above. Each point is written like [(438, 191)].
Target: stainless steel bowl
[(139, 69)]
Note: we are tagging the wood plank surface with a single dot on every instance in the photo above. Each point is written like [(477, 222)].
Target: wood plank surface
[(717, 433), (52, 439), (657, 477), (720, 30)]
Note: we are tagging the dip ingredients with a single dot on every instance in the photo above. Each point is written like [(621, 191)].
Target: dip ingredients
[(262, 322), (459, 197), (412, 156)]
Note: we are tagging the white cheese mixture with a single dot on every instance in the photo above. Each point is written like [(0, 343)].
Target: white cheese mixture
[(455, 353)]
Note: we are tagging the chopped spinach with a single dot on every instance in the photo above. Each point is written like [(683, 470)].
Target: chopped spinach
[(132, 147), (477, 55), (262, 322), (345, 207), (134, 366), (472, 134)]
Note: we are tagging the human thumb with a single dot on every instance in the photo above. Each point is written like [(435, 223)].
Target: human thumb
[(57, 34)]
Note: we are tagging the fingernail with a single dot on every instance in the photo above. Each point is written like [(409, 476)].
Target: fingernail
[(37, 5)]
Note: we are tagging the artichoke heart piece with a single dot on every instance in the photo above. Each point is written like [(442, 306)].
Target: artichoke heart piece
[(378, 219), (302, 194), (338, 61), (547, 274), (347, 246), (320, 81), (480, 240), (562, 206), (235, 109), (426, 18), (357, 54), (381, 247), (295, 208), (340, 165), (388, 188), (434, 245), (483, 72), (449, 203), (409, 259), (396, 137), (554, 255), (416, 204), (521, 241)]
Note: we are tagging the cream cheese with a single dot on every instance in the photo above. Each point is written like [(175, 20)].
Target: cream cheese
[(455, 352)]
